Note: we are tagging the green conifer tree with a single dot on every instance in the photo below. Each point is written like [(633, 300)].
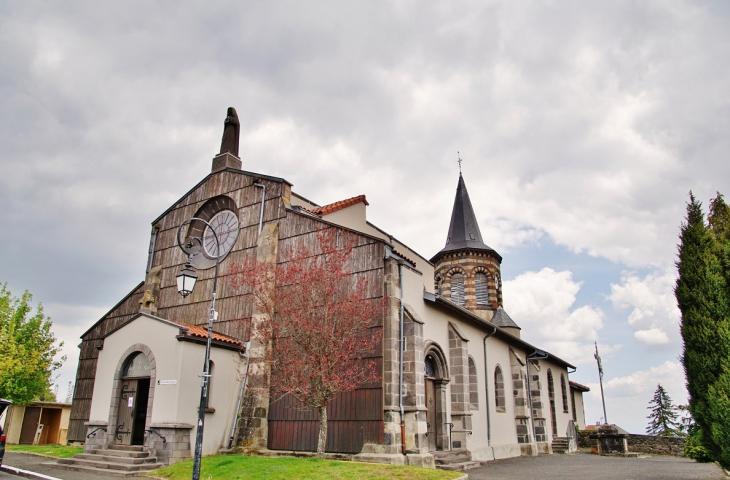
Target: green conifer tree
[(663, 416), (703, 298)]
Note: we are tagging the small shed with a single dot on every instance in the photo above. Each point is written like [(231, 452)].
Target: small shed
[(39, 423)]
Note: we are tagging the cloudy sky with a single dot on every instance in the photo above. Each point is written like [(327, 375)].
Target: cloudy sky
[(582, 126)]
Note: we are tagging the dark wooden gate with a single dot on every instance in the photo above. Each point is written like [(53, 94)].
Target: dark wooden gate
[(125, 412), (30, 425), (353, 419)]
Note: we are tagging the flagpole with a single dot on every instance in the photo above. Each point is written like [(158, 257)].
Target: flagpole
[(600, 379)]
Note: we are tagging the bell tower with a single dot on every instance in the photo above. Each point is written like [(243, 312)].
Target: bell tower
[(467, 271)]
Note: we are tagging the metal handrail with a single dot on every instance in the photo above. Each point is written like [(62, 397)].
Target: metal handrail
[(94, 432), (164, 440)]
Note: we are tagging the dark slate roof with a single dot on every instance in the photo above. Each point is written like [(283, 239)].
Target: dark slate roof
[(501, 319), (464, 231)]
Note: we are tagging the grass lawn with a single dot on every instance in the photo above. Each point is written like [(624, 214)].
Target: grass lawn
[(59, 451), (225, 467)]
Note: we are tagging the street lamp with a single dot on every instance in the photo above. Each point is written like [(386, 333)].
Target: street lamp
[(186, 280)]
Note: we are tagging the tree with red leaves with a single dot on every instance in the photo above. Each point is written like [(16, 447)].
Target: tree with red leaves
[(316, 319)]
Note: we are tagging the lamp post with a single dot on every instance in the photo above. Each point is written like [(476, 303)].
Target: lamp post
[(186, 280)]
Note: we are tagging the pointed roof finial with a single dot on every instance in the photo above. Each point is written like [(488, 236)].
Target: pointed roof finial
[(464, 231), (459, 157)]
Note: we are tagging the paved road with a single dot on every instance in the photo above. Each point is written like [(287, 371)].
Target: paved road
[(7, 476), (585, 465), (31, 462)]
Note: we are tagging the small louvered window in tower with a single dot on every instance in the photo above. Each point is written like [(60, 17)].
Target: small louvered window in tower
[(480, 285), (457, 288)]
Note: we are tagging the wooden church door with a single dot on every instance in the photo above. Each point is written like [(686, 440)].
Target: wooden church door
[(125, 412), (431, 413)]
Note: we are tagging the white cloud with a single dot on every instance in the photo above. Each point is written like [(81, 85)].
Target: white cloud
[(543, 305), (628, 396), (654, 314)]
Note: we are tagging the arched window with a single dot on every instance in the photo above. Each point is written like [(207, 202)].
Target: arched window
[(564, 388), (499, 390), (473, 385), (457, 288), (551, 397), (480, 285), (137, 365)]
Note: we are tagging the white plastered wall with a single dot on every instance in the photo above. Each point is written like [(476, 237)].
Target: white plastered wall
[(580, 413), (561, 417), (181, 361)]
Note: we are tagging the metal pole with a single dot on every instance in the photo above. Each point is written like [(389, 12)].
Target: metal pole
[(206, 366), (600, 380)]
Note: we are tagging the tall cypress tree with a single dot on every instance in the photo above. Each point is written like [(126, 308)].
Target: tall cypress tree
[(704, 301)]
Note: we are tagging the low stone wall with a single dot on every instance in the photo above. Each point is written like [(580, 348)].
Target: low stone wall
[(645, 444), (657, 444)]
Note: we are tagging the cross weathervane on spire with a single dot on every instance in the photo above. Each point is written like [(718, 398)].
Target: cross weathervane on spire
[(460, 160)]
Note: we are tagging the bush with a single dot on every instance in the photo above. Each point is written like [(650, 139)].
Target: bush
[(694, 449)]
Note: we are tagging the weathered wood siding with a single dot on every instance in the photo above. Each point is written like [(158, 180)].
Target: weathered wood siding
[(86, 371), (353, 418)]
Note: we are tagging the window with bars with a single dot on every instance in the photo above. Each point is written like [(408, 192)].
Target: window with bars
[(457, 288), (480, 285), (473, 385), (499, 390), (565, 393)]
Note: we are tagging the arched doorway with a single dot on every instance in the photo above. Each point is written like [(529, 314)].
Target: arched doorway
[(133, 399), (436, 379)]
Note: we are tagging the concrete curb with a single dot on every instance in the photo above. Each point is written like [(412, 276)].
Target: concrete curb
[(26, 473)]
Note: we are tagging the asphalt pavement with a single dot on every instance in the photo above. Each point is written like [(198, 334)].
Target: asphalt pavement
[(583, 465), (31, 462)]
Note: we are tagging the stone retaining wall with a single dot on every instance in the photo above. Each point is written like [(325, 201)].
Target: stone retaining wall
[(645, 444)]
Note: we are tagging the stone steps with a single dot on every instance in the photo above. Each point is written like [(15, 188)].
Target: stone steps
[(119, 460), (457, 460), (561, 445)]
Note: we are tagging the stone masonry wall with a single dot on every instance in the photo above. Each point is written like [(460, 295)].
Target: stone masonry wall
[(657, 445)]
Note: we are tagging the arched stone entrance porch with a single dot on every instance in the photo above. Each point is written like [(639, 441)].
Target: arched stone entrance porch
[(436, 379), (127, 421)]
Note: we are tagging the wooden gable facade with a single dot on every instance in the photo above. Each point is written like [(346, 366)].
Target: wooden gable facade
[(354, 418)]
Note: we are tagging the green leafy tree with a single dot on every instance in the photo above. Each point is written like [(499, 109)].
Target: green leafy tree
[(27, 350), (703, 297), (663, 417)]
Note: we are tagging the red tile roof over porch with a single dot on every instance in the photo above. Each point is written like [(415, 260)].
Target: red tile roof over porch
[(333, 207)]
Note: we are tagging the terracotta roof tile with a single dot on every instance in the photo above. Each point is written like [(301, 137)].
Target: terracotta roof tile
[(578, 386), (404, 257), (198, 331), (333, 207)]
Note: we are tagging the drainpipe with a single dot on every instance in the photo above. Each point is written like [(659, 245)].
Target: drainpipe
[(486, 385), (152, 253), (536, 355), (263, 199), (240, 395), (400, 366)]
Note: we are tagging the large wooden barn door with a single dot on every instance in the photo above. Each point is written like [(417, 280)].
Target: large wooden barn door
[(353, 419)]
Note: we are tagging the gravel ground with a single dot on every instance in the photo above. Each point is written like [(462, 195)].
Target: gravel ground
[(584, 465)]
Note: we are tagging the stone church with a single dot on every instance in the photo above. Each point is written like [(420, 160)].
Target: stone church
[(471, 389)]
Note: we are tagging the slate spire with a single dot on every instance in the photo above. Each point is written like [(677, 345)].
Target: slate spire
[(464, 231)]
